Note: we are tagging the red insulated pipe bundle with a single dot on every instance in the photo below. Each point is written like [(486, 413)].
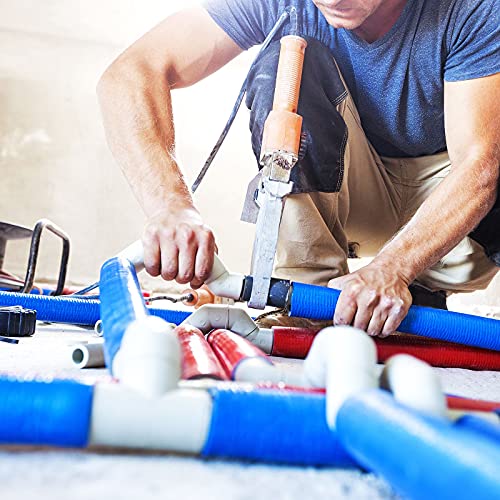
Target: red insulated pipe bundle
[(231, 349), (198, 359), (296, 342)]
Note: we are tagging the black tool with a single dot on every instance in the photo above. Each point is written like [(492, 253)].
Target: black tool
[(15, 321)]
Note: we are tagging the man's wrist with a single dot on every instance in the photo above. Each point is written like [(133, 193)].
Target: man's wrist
[(396, 265)]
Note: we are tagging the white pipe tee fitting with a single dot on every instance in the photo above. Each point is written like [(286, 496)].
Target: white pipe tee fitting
[(149, 359)]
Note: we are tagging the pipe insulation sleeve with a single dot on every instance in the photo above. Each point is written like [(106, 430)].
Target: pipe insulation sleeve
[(296, 342), (65, 309), (233, 350), (316, 302), (121, 303), (273, 426), (55, 309), (460, 403), (53, 413), (198, 359), (472, 423), (445, 461), (292, 342)]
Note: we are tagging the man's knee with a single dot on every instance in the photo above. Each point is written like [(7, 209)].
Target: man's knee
[(465, 269)]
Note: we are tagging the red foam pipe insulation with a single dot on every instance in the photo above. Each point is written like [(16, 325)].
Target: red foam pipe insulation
[(198, 359), (296, 342), (459, 403), (231, 349)]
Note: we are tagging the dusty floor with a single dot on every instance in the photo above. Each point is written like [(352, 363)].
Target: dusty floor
[(75, 474)]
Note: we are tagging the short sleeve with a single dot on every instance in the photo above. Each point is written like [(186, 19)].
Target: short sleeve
[(247, 22), (473, 40)]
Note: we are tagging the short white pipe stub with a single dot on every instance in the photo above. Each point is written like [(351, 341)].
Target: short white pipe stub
[(89, 355), (415, 384)]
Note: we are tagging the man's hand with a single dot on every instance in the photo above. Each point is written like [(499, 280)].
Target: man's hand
[(178, 245), (374, 299)]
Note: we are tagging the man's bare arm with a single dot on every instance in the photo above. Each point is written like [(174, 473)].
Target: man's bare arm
[(376, 298), (135, 98)]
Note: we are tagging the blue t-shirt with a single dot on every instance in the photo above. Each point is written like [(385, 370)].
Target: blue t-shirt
[(397, 81)]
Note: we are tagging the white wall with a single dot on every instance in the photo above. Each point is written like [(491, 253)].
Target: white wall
[(53, 155)]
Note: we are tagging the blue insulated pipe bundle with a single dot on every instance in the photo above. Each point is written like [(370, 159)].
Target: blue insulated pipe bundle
[(55, 413), (273, 426), (66, 309), (422, 457), (316, 302), (121, 303)]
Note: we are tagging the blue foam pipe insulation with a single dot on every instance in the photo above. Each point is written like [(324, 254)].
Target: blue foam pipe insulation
[(317, 302), (65, 309), (55, 413), (481, 426), (121, 303), (273, 426), (422, 457)]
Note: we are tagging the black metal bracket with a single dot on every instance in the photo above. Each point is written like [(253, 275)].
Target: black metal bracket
[(34, 250)]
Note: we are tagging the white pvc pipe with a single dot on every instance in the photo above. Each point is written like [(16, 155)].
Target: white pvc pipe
[(149, 358), (89, 355), (344, 360), (259, 370), (220, 282), (415, 384), (263, 338), (178, 421)]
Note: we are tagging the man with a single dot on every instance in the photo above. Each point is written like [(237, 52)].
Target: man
[(400, 104)]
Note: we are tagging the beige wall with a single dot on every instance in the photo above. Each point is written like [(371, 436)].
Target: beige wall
[(53, 156)]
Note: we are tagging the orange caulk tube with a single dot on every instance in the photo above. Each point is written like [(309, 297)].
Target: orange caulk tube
[(198, 359), (283, 125)]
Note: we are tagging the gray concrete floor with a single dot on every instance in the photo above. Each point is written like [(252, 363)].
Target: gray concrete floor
[(62, 474)]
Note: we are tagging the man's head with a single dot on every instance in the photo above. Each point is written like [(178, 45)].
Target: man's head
[(348, 14)]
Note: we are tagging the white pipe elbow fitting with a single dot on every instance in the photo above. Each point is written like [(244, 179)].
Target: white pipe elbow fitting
[(223, 283), (135, 254), (415, 384), (149, 358), (220, 316), (344, 360)]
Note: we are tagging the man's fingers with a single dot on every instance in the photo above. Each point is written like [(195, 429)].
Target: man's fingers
[(346, 308), (367, 301), (204, 258), (169, 259), (152, 261), (188, 247), (396, 315)]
